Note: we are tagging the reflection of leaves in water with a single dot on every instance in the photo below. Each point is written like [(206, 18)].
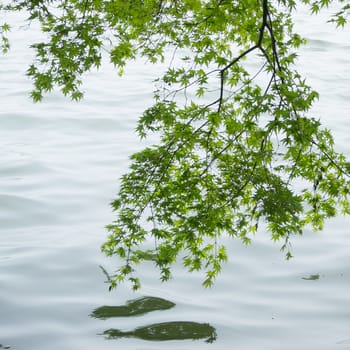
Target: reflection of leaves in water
[(168, 331), (312, 277), (133, 307)]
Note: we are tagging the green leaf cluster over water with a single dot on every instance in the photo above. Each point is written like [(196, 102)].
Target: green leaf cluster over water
[(237, 143)]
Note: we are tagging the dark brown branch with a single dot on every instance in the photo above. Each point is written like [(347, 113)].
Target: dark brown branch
[(264, 24)]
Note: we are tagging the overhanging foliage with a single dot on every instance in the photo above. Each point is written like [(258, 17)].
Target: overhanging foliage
[(232, 119)]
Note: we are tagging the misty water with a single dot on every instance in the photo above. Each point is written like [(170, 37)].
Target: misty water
[(59, 167)]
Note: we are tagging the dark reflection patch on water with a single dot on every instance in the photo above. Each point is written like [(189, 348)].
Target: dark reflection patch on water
[(178, 330), (5, 346), (133, 307), (311, 277)]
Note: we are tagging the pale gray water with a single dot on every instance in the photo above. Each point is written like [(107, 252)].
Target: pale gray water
[(59, 168)]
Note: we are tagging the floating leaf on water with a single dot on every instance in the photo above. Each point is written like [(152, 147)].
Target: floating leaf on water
[(178, 330), (311, 278), (133, 308)]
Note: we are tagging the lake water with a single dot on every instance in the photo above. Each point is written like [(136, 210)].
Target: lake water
[(59, 167)]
